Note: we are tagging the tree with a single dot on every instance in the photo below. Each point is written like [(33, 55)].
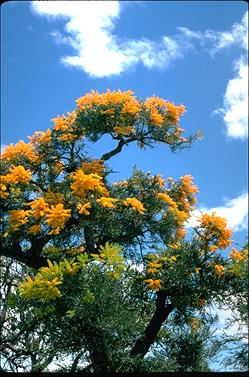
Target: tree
[(109, 262), (236, 343)]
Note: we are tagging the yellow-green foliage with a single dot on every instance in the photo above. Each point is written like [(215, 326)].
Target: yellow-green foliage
[(110, 256), (44, 285)]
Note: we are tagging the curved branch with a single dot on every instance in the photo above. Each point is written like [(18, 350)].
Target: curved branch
[(118, 149), (142, 345)]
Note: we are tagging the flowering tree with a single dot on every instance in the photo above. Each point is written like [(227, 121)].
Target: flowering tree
[(111, 260)]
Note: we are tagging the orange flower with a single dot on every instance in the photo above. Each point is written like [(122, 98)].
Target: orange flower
[(135, 204), (18, 174), (39, 208), (34, 229), (17, 218), (57, 216), (219, 269), (166, 198), (215, 227), (66, 137), (62, 123), (21, 149), (123, 130), (154, 284), (159, 180), (236, 255), (83, 209), (175, 111), (94, 166), (83, 183), (187, 183), (106, 202), (180, 233), (41, 137)]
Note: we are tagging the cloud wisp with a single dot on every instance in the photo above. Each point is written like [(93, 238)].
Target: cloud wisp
[(214, 41), (235, 103), (234, 210), (89, 31)]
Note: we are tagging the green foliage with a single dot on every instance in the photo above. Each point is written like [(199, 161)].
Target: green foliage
[(106, 274)]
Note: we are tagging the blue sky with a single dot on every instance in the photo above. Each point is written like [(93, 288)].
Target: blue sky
[(186, 52)]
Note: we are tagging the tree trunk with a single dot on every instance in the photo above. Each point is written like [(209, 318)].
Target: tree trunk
[(142, 345)]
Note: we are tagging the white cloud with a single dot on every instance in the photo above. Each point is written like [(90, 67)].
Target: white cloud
[(235, 101), (237, 36), (235, 111), (215, 41), (89, 26), (234, 210), (89, 31)]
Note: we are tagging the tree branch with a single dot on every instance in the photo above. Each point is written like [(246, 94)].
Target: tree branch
[(31, 258), (122, 142), (142, 345)]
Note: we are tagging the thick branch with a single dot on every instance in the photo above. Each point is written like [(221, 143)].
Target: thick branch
[(143, 344), (31, 258), (118, 148)]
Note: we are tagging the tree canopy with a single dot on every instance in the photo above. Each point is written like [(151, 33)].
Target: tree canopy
[(104, 267)]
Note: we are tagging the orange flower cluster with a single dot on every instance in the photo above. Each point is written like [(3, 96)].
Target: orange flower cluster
[(3, 189), (161, 111), (159, 180), (215, 229), (39, 208), (123, 130), (106, 202), (57, 217), (154, 284), (94, 166), (167, 199), (153, 267), (181, 216), (181, 201), (155, 106), (18, 174), (188, 189), (62, 123), (125, 100), (21, 149), (219, 269), (67, 137), (40, 137), (175, 112), (17, 218), (135, 204), (34, 229), (236, 255), (84, 183), (83, 209)]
